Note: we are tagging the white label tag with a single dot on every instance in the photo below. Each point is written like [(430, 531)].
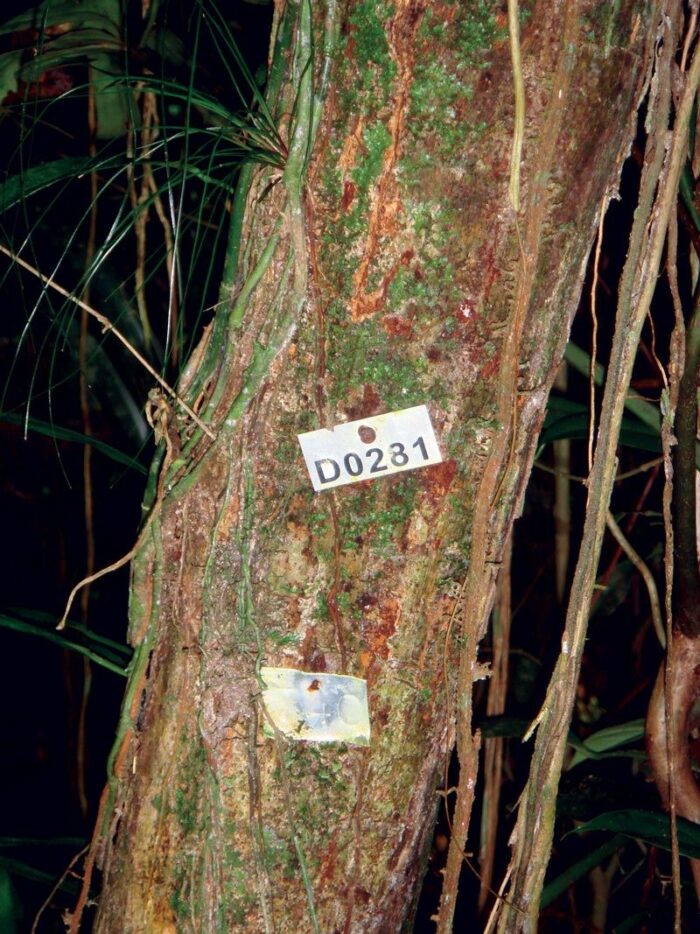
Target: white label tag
[(316, 706), (370, 448)]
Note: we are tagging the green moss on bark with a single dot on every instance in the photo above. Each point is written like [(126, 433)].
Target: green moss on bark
[(370, 49)]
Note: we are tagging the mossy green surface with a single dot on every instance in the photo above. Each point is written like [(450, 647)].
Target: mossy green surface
[(376, 515), (278, 854), (194, 821), (321, 789), (188, 787), (377, 140), (239, 890), (370, 47), (442, 86), (363, 354)]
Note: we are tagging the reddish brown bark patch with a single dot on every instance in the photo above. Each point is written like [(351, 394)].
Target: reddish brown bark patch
[(368, 405), (327, 870), (349, 191), (384, 217), (437, 480), (379, 626), (396, 326)]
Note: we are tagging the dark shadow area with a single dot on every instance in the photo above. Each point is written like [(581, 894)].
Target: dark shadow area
[(61, 708)]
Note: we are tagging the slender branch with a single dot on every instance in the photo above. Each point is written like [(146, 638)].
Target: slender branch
[(47, 901), (88, 492), (495, 706), (115, 566), (668, 439), (687, 581), (561, 512), (108, 326), (145, 531), (658, 192), (519, 90), (625, 475), (647, 576), (594, 331)]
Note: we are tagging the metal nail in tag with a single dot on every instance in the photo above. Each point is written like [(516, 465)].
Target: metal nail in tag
[(370, 448), (318, 707)]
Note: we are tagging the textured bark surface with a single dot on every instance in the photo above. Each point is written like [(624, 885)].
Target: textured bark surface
[(668, 737), (396, 277)]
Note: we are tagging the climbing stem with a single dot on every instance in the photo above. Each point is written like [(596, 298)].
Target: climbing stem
[(519, 91), (330, 39), (261, 267), (304, 124), (657, 198), (686, 561), (301, 141)]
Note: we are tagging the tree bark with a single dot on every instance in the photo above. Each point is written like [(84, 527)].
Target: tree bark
[(381, 270)]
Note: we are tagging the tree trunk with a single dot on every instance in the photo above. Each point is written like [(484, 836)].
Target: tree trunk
[(384, 268)]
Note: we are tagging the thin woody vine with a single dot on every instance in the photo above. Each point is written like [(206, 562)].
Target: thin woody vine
[(669, 105)]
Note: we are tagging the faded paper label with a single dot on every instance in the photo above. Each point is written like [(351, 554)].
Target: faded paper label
[(370, 448), (315, 706)]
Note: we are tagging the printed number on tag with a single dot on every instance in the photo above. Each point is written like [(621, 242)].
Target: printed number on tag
[(370, 448)]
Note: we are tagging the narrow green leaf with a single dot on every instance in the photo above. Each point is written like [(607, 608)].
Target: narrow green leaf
[(15, 842), (650, 826), (581, 362), (20, 625), (633, 924), (33, 179), (18, 868), (507, 727), (68, 434), (515, 728), (17, 187), (610, 738), (576, 425), (228, 50), (55, 12), (561, 405), (686, 192), (9, 904), (645, 412), (555, 888), (118, 650)]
